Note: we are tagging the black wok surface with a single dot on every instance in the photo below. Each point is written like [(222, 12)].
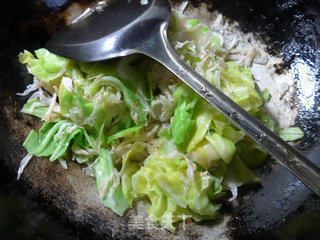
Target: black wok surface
[(282, 208)]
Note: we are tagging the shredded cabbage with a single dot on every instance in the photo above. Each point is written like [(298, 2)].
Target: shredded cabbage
[(144, 134)]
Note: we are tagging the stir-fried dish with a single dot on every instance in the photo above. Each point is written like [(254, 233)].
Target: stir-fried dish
[(142, 133)]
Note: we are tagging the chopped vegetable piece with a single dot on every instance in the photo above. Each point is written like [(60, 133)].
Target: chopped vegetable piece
[(265, 95), (290, 134), (222, 145), (108, 183)]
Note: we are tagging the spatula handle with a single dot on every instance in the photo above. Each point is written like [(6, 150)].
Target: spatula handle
[(294, 161)]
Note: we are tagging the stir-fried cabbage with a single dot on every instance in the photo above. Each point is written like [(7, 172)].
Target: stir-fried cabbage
[(177, 189), (142, 132)]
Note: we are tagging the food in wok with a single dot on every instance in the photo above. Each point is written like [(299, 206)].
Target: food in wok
[(142, 133)]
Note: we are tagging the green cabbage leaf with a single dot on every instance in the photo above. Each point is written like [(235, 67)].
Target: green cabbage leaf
[(290, 133), (183, 124), (54, 138), (45, 66), (108, 183), (35, 108)]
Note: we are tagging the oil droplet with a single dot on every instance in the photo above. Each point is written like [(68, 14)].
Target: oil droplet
[(260, 137), (209, 94), (204, 90), (235, 117)]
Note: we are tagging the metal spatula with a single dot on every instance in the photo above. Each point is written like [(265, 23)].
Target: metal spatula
[(126, 26)]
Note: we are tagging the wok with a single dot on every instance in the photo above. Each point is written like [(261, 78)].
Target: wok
[(281, 208)]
